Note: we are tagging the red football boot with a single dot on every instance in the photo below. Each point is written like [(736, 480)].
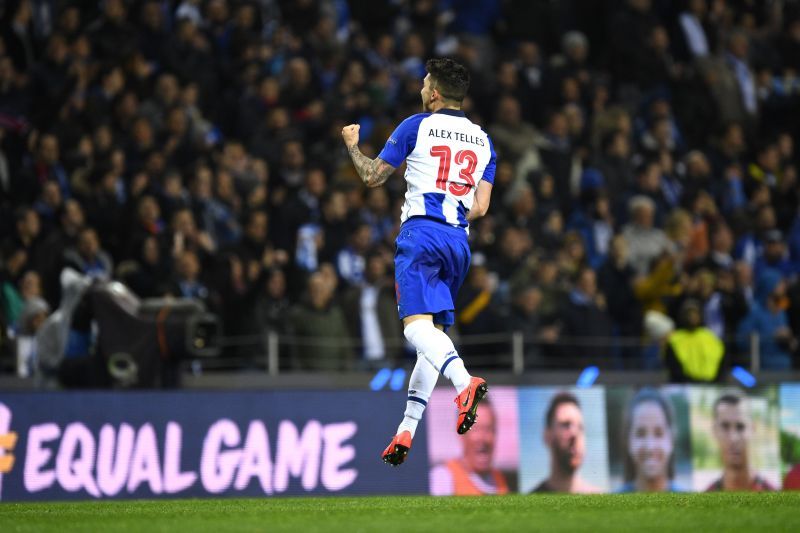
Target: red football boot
[(467, 402), (396, 452)]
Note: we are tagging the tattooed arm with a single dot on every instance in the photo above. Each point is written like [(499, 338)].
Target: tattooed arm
[(373, 172)]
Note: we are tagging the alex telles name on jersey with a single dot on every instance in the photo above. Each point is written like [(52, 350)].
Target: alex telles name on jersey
[(456, 136)]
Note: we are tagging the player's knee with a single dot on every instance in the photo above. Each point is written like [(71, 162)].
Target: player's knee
[(419, 325)]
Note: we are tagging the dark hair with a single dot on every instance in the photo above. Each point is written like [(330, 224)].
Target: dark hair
[(645, 395), (87, 229), (730, 398), (576, 277), (21, 213), (645, 165), (609, 139), (558, 400), (250, 215), (450, 78)]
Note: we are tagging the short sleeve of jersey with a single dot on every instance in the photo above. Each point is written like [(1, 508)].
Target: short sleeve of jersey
[(402, 141), (488, 174)]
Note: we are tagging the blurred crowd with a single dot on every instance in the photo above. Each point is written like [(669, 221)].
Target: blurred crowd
[(646, 181)]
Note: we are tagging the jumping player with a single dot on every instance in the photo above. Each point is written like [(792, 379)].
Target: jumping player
[(450, 167)]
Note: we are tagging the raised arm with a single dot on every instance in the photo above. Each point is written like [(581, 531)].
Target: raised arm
[(373, 172), (480, 204)]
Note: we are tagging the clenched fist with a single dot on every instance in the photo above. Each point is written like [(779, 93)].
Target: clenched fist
[(350, 135)]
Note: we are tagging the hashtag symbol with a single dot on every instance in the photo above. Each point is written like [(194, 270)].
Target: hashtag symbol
[(7, 443)]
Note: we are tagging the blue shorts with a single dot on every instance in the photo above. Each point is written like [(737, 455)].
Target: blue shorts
[(431, 264)]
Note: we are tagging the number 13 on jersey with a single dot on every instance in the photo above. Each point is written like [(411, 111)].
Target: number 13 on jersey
[(467, 159)]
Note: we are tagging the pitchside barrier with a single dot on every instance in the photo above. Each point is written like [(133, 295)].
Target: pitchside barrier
[(105, 445)]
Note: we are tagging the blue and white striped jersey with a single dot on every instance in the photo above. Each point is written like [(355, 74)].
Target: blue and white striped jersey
[(447, 155)]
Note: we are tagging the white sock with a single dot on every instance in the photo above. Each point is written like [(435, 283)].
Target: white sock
[(420, 386), (438, 349)]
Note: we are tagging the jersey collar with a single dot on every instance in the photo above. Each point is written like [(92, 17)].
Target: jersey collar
[(451, 112)]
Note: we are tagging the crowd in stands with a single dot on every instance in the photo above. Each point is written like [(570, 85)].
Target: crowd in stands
[(647, 167)]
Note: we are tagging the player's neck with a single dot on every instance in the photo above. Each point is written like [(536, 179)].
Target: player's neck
[(658, 484), (439, 105), (736, 478), (561, 481)]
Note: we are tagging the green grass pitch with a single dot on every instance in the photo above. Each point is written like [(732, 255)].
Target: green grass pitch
[(419, 514)]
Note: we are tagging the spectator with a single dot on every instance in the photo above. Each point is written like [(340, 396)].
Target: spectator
[(521, 209), (377, 215), (738, 61), (728, 305), (71, 220), (616, 280), (649, 182), (319, 325), (272, 303), (48, 204), (768, 319), (477, 310), (33, 316), (721, 246), (187, 281), (544, 189), (776, 256), (585, 323), (661, 285), (11, 276), (514, 246), (186, 236), (750, 246), (729, 149), (153, 35), (645, 242), (614, 163), (371, 312), (88, 258), (215, 218), (656, 68), (697, 33), (351, 260), (557, 155), (513, 138), (17, 33), (629, 29), (525, 318), (148, 221), (305, 205), (766, 169), (148, 272), (112, 36), (693, 352), (595, 225), (27, 235)]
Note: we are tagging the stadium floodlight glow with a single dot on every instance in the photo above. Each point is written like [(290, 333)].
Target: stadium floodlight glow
[(588, 377), (381, 379), (744, 377), (398, 379)]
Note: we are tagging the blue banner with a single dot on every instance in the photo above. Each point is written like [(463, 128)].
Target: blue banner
[(84, 445), (105, 445)]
